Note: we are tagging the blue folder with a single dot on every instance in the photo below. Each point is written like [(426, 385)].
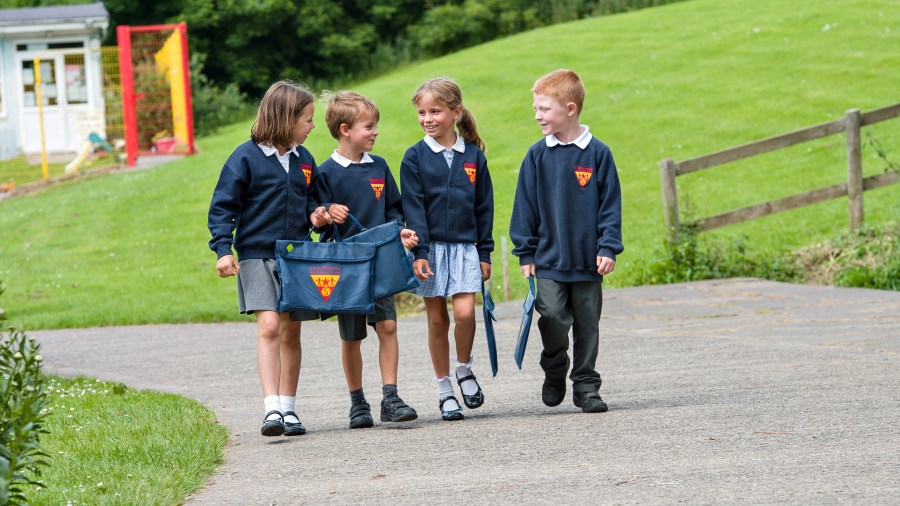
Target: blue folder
[(489, 319), (525, 324)]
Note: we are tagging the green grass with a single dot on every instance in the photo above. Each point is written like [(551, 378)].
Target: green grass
[(108, 444), (21, 171), (675, 81)]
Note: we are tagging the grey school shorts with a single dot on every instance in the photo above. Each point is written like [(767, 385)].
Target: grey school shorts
[(353, 326), (259, 288)]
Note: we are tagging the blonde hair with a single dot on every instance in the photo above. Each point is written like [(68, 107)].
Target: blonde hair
[(447, 92), (562, 85), (278, 112), (346, 107)]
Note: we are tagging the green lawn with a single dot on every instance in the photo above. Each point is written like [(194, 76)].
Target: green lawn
[(107, 444), (675, 81)]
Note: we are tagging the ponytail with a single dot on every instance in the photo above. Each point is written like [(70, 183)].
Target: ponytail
[(468, 130)]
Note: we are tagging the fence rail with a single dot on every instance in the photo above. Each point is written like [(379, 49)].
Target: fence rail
[(851, 123)]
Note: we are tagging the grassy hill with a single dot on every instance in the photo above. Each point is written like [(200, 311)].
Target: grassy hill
[(674, 81)]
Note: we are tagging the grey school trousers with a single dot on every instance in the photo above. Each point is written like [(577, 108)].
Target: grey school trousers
[(564, 306)]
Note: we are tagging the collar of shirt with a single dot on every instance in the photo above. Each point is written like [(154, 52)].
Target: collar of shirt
[(345, 162), (581, 141), (272, 150), (437, 148)]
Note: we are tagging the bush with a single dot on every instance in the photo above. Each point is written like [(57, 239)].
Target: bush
[(22, 416), (869, 258), (214, 107)]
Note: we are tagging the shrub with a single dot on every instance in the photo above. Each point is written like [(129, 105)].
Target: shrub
[(21, 415), (868, 258)]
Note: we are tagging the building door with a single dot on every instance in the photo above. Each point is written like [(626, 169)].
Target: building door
[(64, 92)]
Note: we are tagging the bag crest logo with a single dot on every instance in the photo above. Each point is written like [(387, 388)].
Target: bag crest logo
[(307, 171), (470, 171), (325, 279), (377, 187), (583, 174)]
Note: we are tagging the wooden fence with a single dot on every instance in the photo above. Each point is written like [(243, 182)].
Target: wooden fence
[(851, 123)]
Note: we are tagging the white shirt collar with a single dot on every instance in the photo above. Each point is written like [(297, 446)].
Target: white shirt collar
[(581, 141), (345, 162), (272, 150), (437, 148)]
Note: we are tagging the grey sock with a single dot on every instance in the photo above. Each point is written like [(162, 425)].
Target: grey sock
[(389, 391), (357, 397)]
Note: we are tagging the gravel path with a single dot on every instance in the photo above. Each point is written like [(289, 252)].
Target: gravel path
[(732, 391)]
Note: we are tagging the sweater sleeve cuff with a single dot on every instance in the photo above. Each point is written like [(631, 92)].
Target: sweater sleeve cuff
[(223, 250), (607, 253), (526, 259), (484, 256)]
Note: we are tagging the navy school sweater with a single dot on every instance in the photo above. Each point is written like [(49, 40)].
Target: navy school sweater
[(256, 196), (448, 205), (567, 210), (369, 190)]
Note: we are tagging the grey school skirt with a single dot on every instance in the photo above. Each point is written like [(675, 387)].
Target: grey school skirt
[(259, 288)]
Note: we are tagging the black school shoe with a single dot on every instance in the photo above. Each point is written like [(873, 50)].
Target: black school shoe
[(452, 415), (553, 392), (274, 427), (393, 409), (475, 400), (292, 428), (589, 402), (361, 416)]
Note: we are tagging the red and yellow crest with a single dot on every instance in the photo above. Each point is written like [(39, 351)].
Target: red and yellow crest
[(325, 279), (307, 171), (377, 187), (584, 175), (470, 171)]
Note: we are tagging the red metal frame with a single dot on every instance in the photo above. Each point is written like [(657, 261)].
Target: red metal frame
[(123, 34)]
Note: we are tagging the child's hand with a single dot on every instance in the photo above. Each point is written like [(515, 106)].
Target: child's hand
[(338, 212), (527, 270), (409, 238), (319, 218), (485, 271), (227, 266), (605, 265), (422, 269)]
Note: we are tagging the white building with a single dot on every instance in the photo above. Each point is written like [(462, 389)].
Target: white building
[(66, 40)]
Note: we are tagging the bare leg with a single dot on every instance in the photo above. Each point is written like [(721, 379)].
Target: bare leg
[(438, 335), (291, 354), (464, 325), (268, 351), (388, 351), (351, 358)]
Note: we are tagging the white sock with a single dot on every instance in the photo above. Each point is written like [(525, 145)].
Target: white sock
[(445, 389), (469, 387), (272, 404), (288, 403)]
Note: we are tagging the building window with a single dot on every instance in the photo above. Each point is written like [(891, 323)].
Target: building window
[(48, 83), (76, 80)]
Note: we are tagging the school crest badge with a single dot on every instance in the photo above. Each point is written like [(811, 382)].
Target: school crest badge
[(307, 171), (325, 279), (377, 187), (584, 175), (470, 171)]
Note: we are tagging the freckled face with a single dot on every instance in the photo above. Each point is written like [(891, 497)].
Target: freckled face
[(437, 119)]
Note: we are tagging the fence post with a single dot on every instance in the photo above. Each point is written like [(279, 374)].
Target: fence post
[(670, 198), (852, 120)]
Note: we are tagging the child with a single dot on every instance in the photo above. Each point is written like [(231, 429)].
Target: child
[(448, 199), (353, 181), (263, 191), (566, 227)]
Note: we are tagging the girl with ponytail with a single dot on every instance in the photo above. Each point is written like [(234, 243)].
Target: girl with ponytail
[(448, 200)]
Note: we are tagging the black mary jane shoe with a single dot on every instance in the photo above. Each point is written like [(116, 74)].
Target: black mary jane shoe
[(472, 401), (293, 428), (452, 415), (274, 427)]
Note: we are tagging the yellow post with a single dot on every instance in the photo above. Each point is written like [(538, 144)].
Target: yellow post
[(40, 102)]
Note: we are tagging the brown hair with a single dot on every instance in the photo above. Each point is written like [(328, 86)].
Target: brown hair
[(346, 107), (563, 85), (279, 110), (447, 92)]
